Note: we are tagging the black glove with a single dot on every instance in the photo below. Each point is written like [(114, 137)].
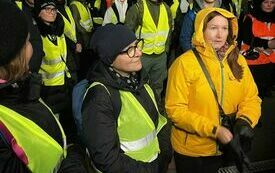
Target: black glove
[(245, 133), (241, 160)]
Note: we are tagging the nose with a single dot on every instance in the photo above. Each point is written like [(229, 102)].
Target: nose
[(219, 33), (138, 52)]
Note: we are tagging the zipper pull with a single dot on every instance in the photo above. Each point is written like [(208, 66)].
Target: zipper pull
[(221, 64)]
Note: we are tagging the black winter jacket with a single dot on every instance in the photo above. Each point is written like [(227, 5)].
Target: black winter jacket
[(15, 99), (100, 126)]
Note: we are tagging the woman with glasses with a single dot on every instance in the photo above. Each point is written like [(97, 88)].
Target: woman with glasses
[(54, 70), (123, 129)]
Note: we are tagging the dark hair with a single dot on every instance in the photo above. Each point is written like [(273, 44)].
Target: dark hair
[(233, 56)]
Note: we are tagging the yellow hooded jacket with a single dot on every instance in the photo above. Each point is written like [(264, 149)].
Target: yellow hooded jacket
[(190, 102)]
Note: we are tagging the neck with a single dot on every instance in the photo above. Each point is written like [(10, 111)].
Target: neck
[(122, 73)]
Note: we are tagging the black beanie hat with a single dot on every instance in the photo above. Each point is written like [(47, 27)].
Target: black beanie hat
[(109, 40), (13, 32), (40, 4)]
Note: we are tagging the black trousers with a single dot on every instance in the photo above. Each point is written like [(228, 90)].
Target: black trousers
[(187, 164)]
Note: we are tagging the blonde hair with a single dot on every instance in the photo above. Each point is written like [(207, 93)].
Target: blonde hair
[(17, 68)]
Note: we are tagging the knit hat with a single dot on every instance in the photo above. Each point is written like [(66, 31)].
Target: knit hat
[(40, 4), (109, 40), (13, 32)]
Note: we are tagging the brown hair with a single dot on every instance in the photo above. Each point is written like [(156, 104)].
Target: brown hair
[(233, 56), (17, 68)]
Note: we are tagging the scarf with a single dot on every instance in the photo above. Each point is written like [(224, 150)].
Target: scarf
[(131, 81), (221, 52)]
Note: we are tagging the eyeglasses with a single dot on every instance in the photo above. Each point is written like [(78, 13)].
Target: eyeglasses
[(50, 10), (131, 51)]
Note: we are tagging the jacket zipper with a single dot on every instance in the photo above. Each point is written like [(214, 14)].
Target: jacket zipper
[(222, 89)]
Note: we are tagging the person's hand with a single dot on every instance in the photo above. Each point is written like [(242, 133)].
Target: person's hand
[(243, 129), (78, 48), (224, 135), (271, 44)]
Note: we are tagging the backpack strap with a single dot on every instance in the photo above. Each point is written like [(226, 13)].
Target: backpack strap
[(5, 134), (116, 100)]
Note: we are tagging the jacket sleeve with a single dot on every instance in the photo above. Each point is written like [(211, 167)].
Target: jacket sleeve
[(101, 137), (187, 30), (177, 100), (249, 108), (134, 16), (9, 161)]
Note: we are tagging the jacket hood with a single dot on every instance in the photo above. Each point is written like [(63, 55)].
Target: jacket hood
[(198, 38)]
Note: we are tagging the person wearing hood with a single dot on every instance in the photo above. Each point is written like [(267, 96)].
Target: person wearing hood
[(31, 137), (257, 35), (199, 115), (187, 28), (137, 138)]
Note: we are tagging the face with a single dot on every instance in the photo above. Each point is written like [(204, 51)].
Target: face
[(48, 14), (128, 61), (216, 31), (29, 50), (268, 6)]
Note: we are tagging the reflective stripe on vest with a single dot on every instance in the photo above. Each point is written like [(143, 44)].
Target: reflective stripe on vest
[(154, 36), (139, 140), (85, 16), (69, 28), (97, 19), (264, 31), (43, 153), (136, 130), (53, 68)]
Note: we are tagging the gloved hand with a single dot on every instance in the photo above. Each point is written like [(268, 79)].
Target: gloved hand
[(241, 160), (245, 132)]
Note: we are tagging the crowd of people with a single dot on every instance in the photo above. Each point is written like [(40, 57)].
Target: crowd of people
[(181, 78)]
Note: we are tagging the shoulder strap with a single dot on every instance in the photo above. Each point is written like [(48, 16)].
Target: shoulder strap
[(116, 12), (208, 77)]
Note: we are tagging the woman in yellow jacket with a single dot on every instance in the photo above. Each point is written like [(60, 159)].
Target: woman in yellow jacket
[(191, 104)]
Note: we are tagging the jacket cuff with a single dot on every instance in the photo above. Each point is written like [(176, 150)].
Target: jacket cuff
[(245, 118)]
